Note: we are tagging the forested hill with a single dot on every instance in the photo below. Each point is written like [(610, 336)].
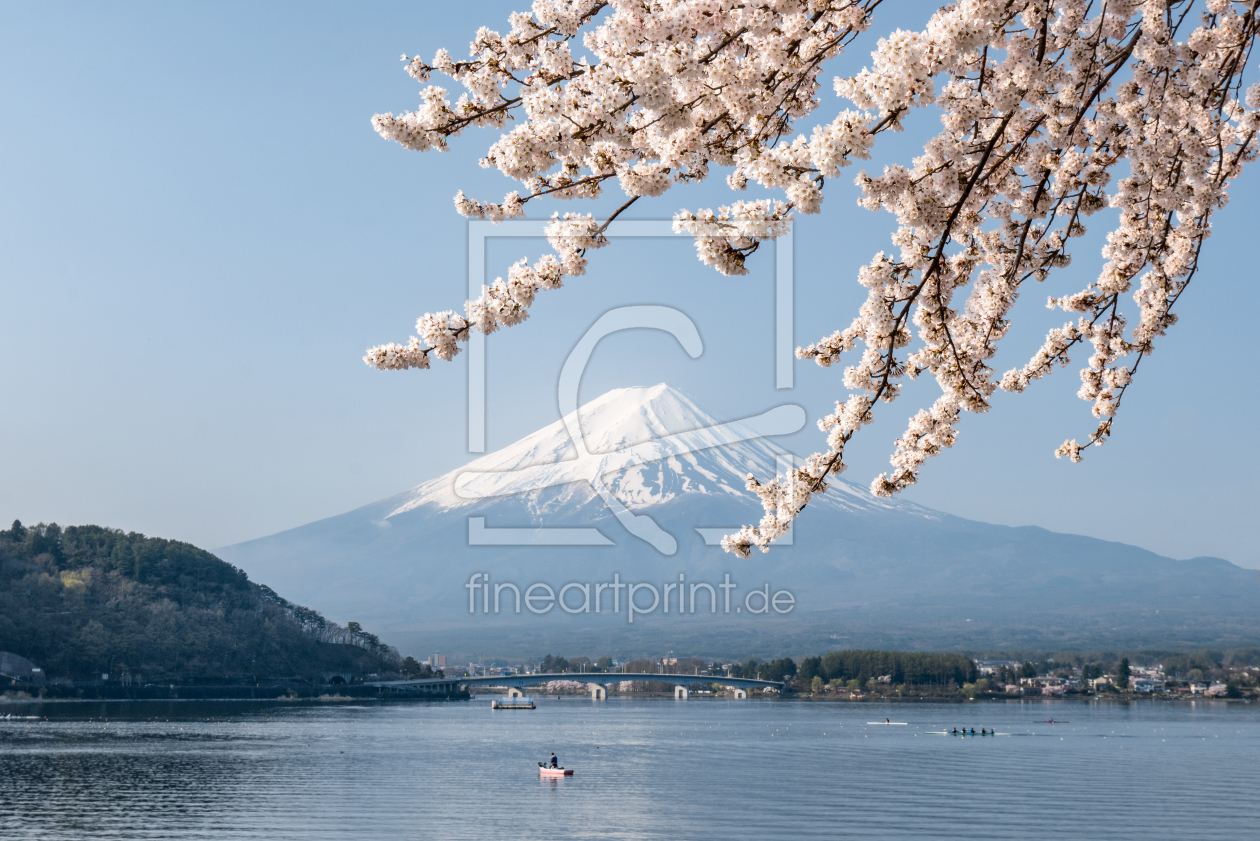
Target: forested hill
[(87, 600)]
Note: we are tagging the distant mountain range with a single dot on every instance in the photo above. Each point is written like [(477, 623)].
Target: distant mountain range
[(862, 571)]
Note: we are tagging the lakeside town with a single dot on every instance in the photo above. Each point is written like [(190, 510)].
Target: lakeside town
[(841, 676), (1201, 674), (838, 676)]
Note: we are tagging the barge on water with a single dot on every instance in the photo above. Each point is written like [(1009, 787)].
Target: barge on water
[(517, 703)]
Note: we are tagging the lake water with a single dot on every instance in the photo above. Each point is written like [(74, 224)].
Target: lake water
[(645, 768)]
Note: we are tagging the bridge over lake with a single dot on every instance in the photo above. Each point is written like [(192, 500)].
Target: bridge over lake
[(599, 682)]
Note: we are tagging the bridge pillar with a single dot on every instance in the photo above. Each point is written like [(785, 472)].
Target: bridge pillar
[(513, 692), (680, 693), (598, 693), (739, 693)]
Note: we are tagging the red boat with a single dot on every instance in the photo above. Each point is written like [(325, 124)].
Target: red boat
[(554, 772)]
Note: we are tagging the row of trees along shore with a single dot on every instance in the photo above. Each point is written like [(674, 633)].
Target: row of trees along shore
[(900, 667), (84, 601), (921, 669), (916, 673)]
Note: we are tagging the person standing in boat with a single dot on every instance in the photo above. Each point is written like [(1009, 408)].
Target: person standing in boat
[(555, 763)]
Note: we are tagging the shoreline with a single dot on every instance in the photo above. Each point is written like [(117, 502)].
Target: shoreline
[(348, 699)]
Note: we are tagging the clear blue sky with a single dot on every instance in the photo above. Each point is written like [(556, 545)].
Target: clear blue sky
[(200, 234)]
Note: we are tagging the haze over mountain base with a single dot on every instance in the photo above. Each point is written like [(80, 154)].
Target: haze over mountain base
[(862, 571)]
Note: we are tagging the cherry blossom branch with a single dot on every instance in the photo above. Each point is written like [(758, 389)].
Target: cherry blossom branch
[(1042, 103)]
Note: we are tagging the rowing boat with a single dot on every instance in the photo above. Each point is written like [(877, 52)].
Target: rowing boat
[(555, 772)]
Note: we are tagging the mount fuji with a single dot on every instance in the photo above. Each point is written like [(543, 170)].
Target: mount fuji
[(640, 482)]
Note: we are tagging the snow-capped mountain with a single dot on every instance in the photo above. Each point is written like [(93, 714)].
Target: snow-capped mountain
[(649, 446), (641, 482), (625, 438)]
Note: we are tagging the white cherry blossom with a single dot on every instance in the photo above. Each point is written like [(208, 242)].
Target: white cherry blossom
[(1050, 110)]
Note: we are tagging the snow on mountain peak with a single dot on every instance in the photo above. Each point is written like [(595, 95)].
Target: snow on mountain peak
[(643, 446), (647, 444), (625, 417)]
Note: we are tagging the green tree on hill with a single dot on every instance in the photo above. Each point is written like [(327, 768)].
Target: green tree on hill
[(75, 600)]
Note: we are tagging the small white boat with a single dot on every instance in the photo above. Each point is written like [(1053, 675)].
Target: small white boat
[(544, 771)]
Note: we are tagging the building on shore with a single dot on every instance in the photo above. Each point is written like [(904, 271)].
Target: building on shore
[(16, 667)]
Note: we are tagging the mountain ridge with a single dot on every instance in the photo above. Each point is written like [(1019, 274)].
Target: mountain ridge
[(611, 428), (85, 600), (858, 565)]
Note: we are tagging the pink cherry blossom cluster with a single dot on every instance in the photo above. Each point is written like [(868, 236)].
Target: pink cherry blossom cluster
[(676, 87), (1051, 110)]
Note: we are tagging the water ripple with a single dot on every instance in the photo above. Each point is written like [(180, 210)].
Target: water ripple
[(645, 769)]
